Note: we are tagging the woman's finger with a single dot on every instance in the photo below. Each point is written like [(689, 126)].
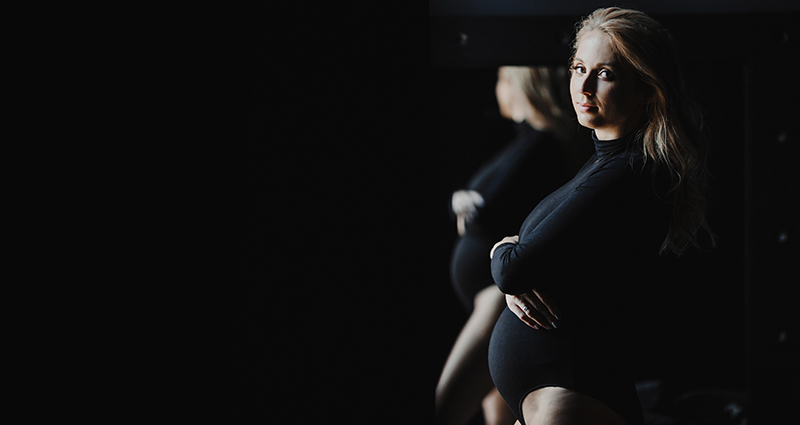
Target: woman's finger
[(535, 316), (526, 313), (507, 239), (523, 316), (516, 307), (536, 304), (476, 198), (548, 302)]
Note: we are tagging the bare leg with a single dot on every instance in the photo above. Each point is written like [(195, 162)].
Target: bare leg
[(495, 410), (465, 379), (560, 406)]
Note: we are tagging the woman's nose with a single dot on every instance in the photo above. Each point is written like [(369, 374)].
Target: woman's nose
[(588, 85)]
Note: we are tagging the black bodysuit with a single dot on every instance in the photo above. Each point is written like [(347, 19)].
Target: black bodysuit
[(592, 245), (511, 184)]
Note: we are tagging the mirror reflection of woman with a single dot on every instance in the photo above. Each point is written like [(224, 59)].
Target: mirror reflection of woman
[(561, 352), (494, 202)]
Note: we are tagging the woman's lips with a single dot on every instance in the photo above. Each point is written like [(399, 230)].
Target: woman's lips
[(585, 107)]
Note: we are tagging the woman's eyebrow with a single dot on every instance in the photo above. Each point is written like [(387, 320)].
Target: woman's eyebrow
[(609, 64)]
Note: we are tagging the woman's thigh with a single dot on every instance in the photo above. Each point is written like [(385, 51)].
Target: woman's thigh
[(560, 406)]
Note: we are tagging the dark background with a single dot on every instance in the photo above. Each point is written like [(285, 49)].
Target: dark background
[(343, 306), (726, 327)]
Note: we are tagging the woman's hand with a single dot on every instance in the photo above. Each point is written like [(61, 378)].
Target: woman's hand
[(535, 309), (465, 203), (508, 239)]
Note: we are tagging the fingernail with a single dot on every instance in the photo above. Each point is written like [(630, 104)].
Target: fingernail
[(556, 316), (554, 325)]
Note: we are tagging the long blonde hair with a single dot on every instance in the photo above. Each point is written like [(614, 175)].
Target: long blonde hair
[(673, 136)]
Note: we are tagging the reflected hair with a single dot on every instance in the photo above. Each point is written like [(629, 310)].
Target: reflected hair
[(547, 89), (673, 136)]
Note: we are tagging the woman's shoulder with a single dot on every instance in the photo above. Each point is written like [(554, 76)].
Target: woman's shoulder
[(538, 139), (627, 168), (536, 147), (632, 162), (646, 172)]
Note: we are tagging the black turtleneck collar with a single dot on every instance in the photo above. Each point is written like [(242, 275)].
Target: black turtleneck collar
[(609, 148), (522, 127)]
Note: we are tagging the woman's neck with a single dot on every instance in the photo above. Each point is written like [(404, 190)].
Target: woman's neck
[(628, 126), (537, 120)]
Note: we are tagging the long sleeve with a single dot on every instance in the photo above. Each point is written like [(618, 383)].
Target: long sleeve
[(578, 226), (510, 184)]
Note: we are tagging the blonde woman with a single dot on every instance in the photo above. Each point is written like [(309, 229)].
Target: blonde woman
[(561, 352), (493, 203)]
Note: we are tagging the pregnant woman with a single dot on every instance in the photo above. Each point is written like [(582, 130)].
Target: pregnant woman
[(560, 353)]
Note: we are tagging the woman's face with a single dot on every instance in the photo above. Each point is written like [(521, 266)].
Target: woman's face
[(509, 98), (606, 93)]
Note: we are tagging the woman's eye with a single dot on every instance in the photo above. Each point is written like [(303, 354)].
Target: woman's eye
[(606, 74), (579, 69)]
